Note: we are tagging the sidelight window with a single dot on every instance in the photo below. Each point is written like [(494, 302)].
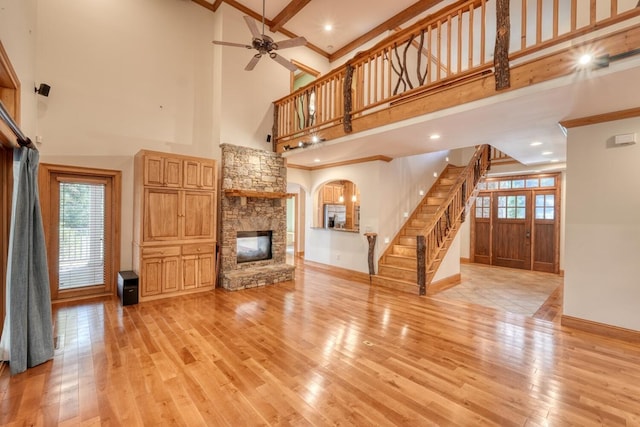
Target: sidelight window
[(545, 206), (483, 207)]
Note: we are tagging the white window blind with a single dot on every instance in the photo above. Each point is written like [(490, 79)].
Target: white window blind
[(81, 235)]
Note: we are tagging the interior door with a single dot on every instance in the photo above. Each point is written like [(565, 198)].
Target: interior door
[(512, 229)]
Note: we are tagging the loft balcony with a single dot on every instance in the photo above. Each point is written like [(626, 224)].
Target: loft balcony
[(466, 52)]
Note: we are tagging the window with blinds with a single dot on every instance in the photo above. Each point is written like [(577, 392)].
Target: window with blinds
[(81, 235)]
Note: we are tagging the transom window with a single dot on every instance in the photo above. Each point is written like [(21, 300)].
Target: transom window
[(518, 183)]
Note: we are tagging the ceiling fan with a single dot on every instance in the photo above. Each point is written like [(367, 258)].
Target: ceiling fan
[(265, 44)]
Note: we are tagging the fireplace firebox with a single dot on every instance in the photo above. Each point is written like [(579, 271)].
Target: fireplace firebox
[(253, 246)]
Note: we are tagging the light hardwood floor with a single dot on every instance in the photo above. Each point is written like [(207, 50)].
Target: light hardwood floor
[(323, 350)]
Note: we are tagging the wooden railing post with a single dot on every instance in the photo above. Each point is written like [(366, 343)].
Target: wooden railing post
[(274, 129), (371, 239), (421, 253), (348, 102), (501, 51)]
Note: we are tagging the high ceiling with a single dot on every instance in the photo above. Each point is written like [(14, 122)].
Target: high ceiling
[(353, 22), (511, 122)]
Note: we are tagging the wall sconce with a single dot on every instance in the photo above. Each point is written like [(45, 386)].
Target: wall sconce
[(341, 199), (43, 89), (354, 198)]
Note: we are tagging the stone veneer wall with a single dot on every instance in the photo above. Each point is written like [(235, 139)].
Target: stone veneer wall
[(246, 168)]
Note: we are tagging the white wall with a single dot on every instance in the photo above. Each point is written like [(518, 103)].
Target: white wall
[(603, 225), (18, 36)]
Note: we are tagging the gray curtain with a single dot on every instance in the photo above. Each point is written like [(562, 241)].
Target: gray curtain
[(28, 328)]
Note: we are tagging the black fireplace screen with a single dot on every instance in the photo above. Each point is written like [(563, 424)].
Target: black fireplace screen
[(253, 246)]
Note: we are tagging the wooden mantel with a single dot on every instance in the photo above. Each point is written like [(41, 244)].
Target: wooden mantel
[(234, 192)]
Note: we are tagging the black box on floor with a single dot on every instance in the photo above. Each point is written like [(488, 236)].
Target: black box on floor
[(128, 287)]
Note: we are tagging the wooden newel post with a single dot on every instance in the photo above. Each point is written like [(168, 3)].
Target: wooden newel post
[(371, 238), (421, 253)]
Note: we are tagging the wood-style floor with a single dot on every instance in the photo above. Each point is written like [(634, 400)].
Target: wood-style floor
[(323, 350)]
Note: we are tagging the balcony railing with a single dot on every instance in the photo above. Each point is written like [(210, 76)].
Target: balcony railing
[(455, 44)]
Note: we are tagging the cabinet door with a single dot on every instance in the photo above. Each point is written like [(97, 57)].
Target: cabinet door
[(337, 192), (208, 176), (162, 171), (327, 193), (199, 215), (151, 277), (190, 272), (171, 274), (153, 170), (206, 270), (161, 215), (192, 170), (172, 172)]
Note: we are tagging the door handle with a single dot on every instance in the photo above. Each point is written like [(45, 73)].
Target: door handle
[(528, 234)]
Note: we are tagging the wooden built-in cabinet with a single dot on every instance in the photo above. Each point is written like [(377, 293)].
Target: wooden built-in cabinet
[(175, 208), (332, 192)]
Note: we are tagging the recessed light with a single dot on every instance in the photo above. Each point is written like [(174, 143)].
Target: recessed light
[(547, 153), (316, 160), (554, 160), (328, 27), (585, 59), (535, 143), (434, 136)]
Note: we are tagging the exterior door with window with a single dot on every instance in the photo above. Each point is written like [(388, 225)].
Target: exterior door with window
[(512, 230), (516, 223), (80, 210)]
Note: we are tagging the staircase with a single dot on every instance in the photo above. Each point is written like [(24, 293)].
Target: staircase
[(431, 228)]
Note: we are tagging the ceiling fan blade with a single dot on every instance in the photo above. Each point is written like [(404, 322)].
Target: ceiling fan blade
[(284, 62), (297, 41), (251, 23), (232, 44), (251, 65)]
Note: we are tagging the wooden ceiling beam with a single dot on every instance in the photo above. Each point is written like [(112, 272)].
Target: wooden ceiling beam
[(205, 4), (287, 13), (391, 23), (257, 16)]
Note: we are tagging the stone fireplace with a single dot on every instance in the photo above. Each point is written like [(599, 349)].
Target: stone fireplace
[(253, 207)]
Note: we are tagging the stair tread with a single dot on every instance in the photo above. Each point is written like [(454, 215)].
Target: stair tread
[(397, 267), (393, 279), (401, 256)]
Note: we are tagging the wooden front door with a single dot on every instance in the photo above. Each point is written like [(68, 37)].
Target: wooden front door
[(516, 223), (512, 229)]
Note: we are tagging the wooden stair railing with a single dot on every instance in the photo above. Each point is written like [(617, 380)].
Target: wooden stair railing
[(416, 252)]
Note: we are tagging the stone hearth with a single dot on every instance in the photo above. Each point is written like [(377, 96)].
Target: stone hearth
[(253, 198)]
